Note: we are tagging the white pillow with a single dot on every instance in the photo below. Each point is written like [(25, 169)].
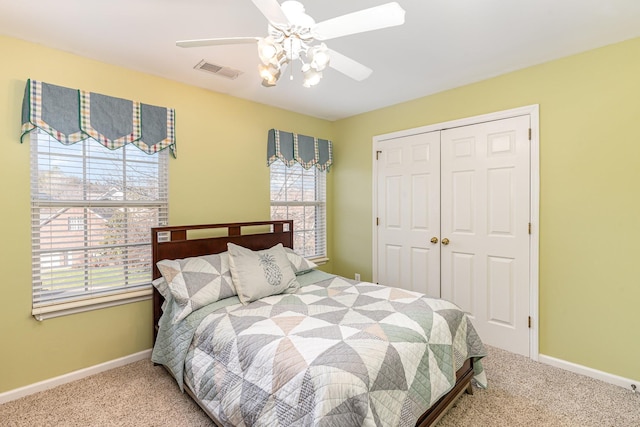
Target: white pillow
[(162, 286), (259, 274), (299, 263), (197, 281)]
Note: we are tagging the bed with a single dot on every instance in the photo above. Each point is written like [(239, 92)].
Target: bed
[(328, 351)]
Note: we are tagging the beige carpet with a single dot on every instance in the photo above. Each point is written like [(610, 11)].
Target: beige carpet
[(141, 394)]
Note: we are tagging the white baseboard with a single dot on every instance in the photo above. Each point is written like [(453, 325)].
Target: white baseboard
[(589, 372), (17, 393)]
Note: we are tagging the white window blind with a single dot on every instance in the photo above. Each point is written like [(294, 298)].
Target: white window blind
[(91, 213), (300, 195)]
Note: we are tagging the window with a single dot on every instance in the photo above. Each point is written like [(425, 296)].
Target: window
[(76, 223), (91, 211), (300, 195)]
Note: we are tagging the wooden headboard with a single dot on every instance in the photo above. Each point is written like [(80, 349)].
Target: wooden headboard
[(177, 242)]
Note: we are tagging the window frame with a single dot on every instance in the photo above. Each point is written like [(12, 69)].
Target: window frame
[(319, 204), (90, 295)]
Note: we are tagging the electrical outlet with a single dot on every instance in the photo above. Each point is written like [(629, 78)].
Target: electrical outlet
[(358, 276)]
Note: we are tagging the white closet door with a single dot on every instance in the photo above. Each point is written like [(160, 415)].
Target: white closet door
[(408, 196), (485, 217)]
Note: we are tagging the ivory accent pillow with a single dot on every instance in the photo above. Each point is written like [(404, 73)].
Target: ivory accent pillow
[(197, 281), (163, 287), (299, 263), (259, 274)]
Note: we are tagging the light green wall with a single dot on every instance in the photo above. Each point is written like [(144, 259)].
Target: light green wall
[(220, 176), (590, 194), (590, 147)]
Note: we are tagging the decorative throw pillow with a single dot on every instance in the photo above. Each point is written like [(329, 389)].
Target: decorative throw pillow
[(198, 281), (299, 263), (162, 286), (258, 274)]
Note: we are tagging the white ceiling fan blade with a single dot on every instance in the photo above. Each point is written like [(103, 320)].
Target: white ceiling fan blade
[(217, 42), (272, 11), (375, 18), (348, 66)]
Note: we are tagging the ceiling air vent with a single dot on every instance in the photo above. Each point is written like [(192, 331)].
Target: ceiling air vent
[(218, 70)]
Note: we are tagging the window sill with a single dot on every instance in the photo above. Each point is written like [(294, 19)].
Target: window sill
[(65, 309), (319, 260)]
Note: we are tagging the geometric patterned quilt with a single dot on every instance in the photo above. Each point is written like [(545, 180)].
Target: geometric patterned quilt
[(336, 353)]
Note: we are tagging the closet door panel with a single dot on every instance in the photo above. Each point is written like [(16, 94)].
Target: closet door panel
[(408, 195), (485, 217)]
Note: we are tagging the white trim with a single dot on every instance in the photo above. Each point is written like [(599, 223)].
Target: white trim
[(589, 372), (17, 393), (498, 115), (533, 111), (534, 241), (319, 260), (64, 309)]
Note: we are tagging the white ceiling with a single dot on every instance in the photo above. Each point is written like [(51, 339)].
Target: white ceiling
[(442, 45)]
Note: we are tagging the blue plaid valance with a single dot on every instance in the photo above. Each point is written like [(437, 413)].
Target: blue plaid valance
[(72, 115), (292, 148)]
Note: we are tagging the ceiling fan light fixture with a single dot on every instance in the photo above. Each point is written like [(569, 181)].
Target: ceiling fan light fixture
[(268, 83), (268, 50), (269, 73), (318, 56), (311, 76)]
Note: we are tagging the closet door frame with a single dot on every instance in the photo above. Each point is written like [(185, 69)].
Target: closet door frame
[(533, 111)]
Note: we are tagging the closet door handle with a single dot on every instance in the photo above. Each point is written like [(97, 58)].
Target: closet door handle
[(434, 240), (445, 241)]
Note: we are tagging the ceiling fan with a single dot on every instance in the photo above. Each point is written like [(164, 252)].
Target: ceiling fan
[(292, 32)]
